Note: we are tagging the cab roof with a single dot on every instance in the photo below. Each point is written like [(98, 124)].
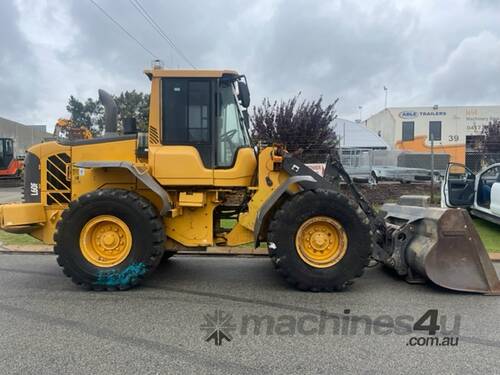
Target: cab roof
[(187, 73)]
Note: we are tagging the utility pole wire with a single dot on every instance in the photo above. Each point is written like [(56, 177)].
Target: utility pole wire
[(137, 5), (124, 30)]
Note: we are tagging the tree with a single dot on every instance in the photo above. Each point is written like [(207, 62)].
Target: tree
[(90, 113), (133, 104), (303, 128)]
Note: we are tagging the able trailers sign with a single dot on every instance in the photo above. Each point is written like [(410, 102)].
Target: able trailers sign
[(407, 115)]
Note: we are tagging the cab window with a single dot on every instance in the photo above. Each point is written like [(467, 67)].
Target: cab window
[(198, 116), (186, 115), (8, 147), (231, 131), (5, 156)]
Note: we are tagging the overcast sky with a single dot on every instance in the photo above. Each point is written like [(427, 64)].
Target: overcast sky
[(426, 52)]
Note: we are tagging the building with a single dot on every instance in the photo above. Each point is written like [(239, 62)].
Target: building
[(24, 135), (356, 143), (353, 135), (455, 129)]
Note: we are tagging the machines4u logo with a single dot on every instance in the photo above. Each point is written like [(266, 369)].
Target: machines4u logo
[(429, 329), (218, 327)]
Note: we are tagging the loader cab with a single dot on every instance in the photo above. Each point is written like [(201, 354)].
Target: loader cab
[(203, 129), (6, 152)]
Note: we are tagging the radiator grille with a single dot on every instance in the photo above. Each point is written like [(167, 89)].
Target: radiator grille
[(58, 187)]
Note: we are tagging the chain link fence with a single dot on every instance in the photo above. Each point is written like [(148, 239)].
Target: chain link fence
[(395, 165), (385, 175), (476, 161)]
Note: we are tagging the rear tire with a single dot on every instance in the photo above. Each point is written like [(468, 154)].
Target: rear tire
[(323, 275), (109, 239)]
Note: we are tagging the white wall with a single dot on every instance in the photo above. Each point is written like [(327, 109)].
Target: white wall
[(457, 122), (383, 124)]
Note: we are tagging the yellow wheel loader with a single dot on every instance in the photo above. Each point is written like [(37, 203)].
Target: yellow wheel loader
[(113, 206), (65, 128)]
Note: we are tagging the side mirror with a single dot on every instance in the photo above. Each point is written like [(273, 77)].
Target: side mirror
[(243, 94), (129, 125)]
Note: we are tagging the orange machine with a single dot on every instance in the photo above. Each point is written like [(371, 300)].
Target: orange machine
[(10, 166)]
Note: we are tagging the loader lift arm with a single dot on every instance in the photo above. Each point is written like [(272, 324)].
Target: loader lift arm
[(333, 161), (335, 169)]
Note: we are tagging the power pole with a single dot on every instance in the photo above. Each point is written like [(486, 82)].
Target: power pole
[(432, 168), (385, 102)]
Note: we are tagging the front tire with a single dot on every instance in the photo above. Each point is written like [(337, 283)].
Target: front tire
[(109, 239), (319, 241), (167, 255)]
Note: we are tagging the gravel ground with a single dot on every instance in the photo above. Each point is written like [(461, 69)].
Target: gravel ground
[(48, 325), (391, 191)]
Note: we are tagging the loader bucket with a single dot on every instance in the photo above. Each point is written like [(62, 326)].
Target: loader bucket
[(443, 246)]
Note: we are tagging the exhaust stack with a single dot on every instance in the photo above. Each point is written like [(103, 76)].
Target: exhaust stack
[(110, 113)]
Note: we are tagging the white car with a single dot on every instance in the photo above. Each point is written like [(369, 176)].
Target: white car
[(480, 193)]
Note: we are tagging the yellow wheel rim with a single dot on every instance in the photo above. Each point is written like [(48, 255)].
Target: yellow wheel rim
[(321, 242), (105, 241)]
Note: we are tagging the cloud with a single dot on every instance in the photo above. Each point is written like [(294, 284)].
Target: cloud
[(17, 64), (342, 50), (471, 72), (423, 51)]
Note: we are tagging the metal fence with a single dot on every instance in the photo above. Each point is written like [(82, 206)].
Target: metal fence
[(392, 164), (360, 162), (476, 161)]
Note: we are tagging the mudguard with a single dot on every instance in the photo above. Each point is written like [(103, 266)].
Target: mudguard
[(273, 198), (143, 176)]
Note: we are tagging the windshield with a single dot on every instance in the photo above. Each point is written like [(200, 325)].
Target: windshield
[(231, 131)]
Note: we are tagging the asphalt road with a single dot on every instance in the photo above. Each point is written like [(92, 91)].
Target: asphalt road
[(48, 325)]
